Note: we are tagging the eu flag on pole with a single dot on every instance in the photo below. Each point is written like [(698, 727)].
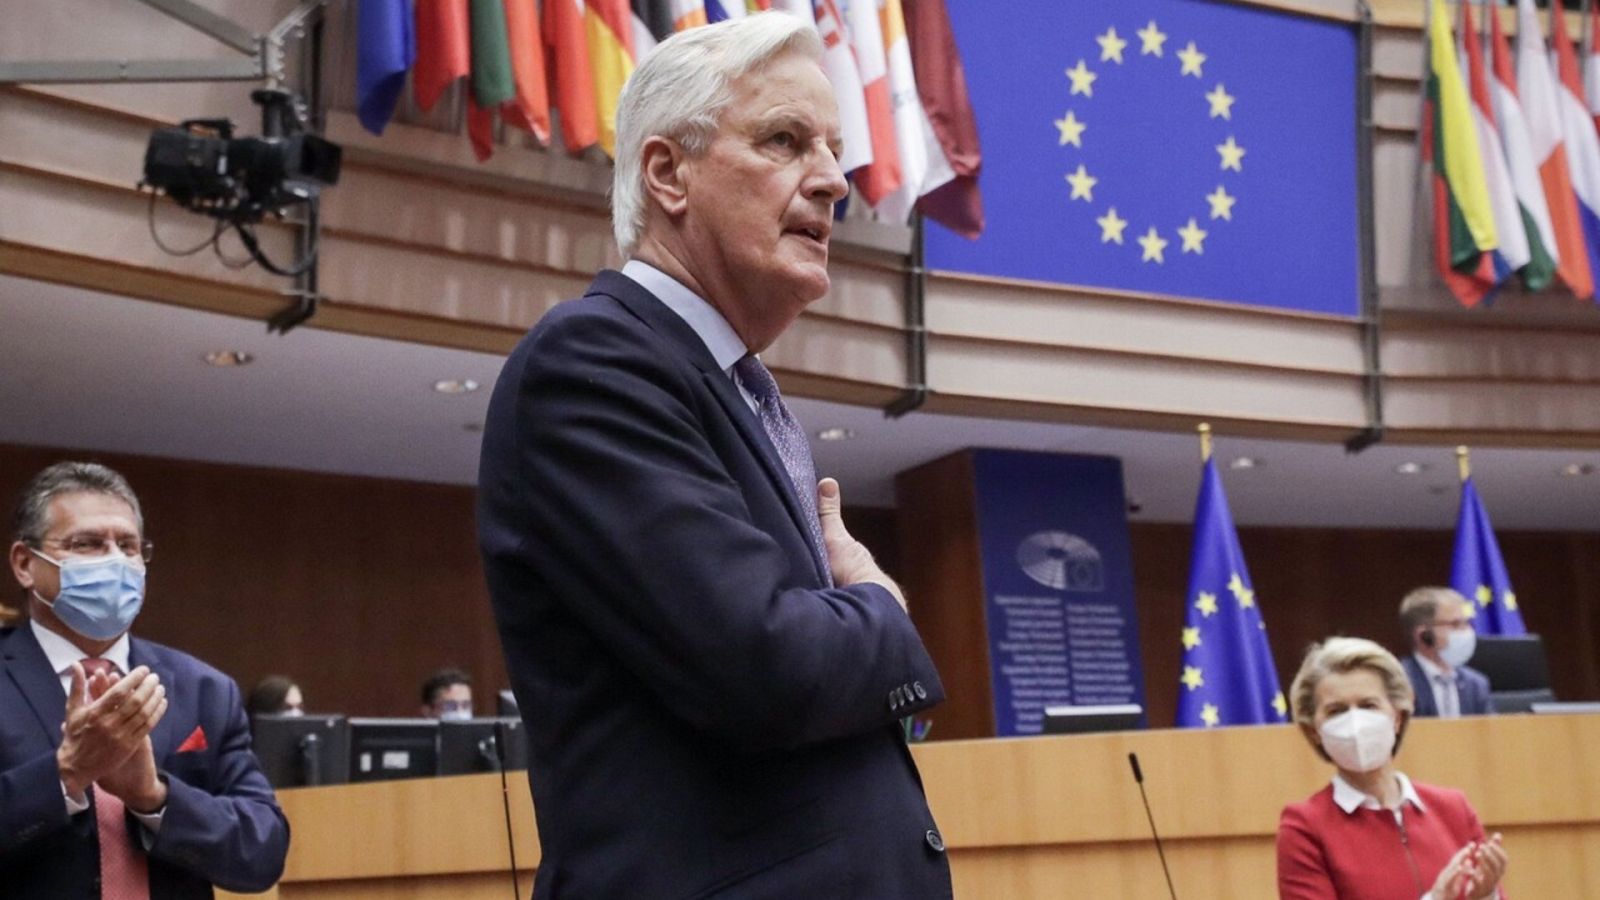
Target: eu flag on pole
[(1228, 675), (1479, 573), (1178, 148)]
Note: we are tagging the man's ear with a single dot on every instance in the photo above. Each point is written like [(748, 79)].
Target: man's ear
[(662, 161), (20, 559)]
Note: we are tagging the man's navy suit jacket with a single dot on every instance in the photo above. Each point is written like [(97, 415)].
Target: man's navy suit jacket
[(221, 827), (1472, 687), (705, 717)]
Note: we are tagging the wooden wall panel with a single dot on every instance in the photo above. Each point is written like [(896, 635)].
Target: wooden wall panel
[(1315, 582), (357, 588)]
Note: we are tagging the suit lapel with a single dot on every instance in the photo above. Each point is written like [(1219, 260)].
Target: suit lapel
[(29, 669), (667, 323), (1423, 688), (163, 738)]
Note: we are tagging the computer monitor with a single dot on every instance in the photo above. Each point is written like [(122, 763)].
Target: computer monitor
[(1086, 719), (475, 745), (1512, 663), (387, 749), (506, 705), (303, 751)]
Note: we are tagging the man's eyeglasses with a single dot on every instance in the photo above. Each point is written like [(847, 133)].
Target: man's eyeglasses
[(102, 545)]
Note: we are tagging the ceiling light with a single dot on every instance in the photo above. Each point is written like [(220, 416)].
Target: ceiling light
[(835, 434), (1411, 468), (1245, 462), (455, 386), (1577, 469), (228, 359)]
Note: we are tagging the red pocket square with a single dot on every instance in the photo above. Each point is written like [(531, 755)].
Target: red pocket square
[(196, 741)]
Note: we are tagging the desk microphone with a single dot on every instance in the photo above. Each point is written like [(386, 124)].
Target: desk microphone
[(498, 749), (1138, 776)]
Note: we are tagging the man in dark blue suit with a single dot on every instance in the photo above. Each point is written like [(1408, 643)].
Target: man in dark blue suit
[(1438, 623), (711, 669), (125, 766)]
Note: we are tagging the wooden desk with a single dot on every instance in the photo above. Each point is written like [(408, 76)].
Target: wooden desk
[(1035, 817)]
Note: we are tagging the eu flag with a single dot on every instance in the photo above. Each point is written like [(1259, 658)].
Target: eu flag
[(1228, 675), (1479, 573), (1169, 147)]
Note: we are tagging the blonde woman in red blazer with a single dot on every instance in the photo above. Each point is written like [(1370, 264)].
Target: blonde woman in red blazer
[(1374, 834)]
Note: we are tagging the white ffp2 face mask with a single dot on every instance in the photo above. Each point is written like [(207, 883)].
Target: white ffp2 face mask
[(1459, 647), (1359, 740)]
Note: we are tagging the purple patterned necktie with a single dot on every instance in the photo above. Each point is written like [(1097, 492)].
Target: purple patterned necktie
[(790, 442)]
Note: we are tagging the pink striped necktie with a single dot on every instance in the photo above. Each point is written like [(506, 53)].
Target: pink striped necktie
[(124, 869)]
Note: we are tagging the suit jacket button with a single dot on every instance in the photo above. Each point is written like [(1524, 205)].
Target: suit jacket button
[(921, 692), (934, 841), (894, 701)]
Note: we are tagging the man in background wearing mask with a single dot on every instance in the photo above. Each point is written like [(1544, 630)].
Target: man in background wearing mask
[(447, 694), (1438, 623), (125, 766)]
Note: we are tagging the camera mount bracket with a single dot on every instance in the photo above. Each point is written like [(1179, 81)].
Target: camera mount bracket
[(264, 61)]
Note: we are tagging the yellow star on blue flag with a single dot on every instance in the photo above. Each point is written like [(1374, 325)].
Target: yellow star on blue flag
[(1228, 674)]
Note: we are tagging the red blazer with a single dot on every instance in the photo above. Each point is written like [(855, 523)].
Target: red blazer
[(1325, 853)]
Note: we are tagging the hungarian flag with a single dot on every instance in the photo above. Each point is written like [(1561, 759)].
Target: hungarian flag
[(1583, 144), (882, 176), (840, 65), (567, 58), (1463, 222), (1512, 125), (1513, 252), (608, 25), (1537, 88), (385, 50)]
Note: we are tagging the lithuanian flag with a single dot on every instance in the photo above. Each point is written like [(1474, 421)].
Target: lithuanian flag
[(1463, 220)]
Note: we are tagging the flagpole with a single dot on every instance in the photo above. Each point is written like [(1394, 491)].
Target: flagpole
[(1464, 462), (1205, 441)]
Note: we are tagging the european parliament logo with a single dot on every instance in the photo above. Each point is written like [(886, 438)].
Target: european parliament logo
[(1170, 147), (1062, 561)]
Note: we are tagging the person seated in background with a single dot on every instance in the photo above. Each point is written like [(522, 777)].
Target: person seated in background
[(1374, 834), (276, 695), (447, 694), (1437, 622), (125, 766)]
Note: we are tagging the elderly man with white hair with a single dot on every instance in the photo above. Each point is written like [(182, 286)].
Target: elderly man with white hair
[(710, 667)]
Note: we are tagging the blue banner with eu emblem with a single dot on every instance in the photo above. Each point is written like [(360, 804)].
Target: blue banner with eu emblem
[(1173, 147), (1058, 585)]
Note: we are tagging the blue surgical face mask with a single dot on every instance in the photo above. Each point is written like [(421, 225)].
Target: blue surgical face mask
[(100, 596)]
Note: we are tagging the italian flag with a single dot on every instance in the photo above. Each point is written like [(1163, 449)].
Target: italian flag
[(1463, 220)]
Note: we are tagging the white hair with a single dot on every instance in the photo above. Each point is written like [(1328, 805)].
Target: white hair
[(681, 90)]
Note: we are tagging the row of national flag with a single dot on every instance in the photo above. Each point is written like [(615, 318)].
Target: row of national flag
[(1515, 155), (910, 137), (1228, 675)]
